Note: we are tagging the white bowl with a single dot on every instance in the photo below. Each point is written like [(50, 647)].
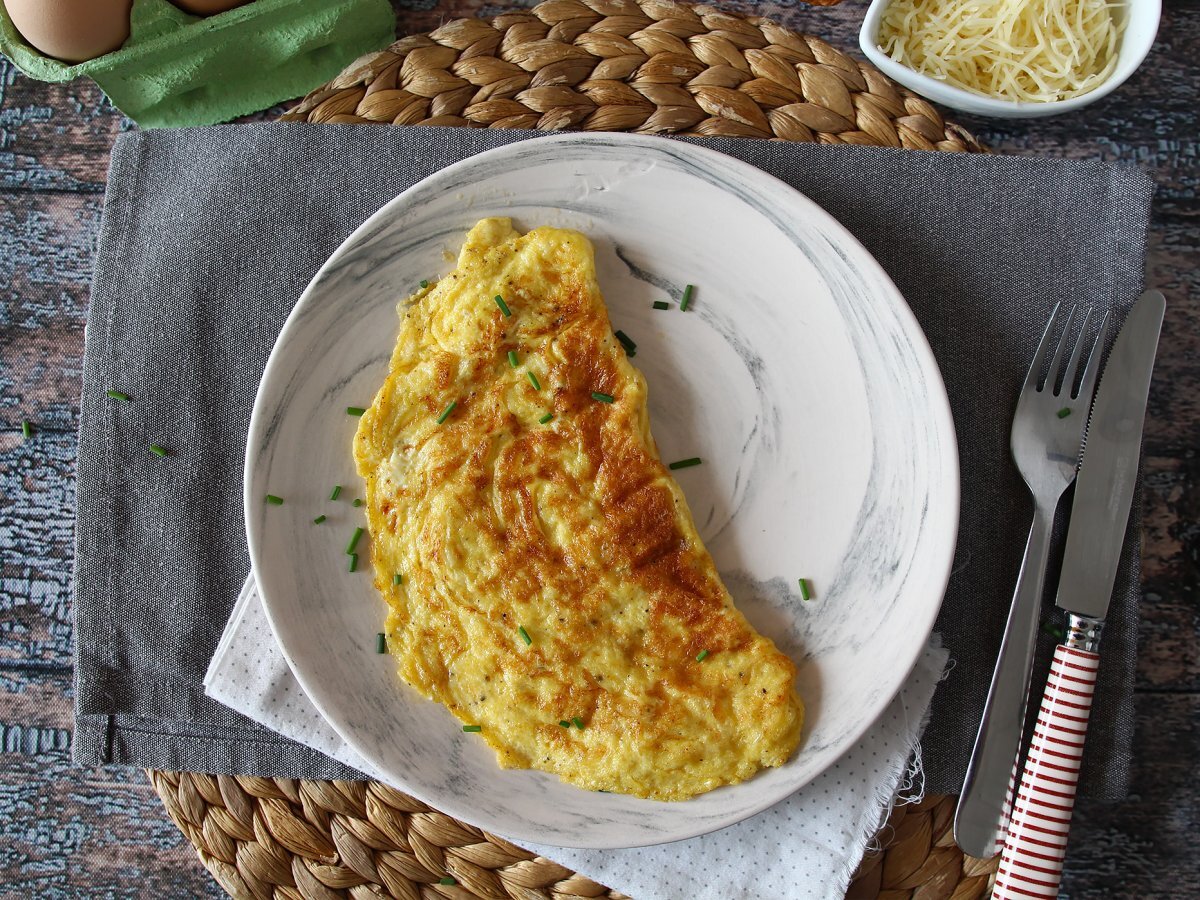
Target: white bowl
[(1140, 29)]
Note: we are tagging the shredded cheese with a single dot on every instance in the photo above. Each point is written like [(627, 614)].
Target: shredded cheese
[(1025, 50)]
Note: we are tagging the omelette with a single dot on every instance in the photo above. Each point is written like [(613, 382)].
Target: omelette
[(543, 575)]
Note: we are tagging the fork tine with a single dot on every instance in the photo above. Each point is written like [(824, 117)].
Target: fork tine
[(1087, 386), (1072, 369), (1035, 367), (1052, 372)]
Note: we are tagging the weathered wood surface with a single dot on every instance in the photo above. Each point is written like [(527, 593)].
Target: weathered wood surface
[(68, 833)]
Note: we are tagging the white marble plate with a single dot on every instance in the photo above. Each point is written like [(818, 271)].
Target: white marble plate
[(799, 375)]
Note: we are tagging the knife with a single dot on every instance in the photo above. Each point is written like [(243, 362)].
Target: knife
[(1035, 845)]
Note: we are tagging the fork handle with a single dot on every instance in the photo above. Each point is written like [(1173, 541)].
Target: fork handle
[(1036, 844), (982, 814)]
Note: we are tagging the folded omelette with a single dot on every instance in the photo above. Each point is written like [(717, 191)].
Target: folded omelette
[(543, 575)]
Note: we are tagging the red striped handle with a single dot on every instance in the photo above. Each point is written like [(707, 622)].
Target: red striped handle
[(1036, 843)]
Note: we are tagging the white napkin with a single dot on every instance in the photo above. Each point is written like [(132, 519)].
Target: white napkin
[(807, 846)]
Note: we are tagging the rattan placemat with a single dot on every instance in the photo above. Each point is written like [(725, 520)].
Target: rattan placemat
[(647, 66)]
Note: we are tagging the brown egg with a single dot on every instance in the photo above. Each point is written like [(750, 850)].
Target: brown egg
[(71, 30), (207, 7)]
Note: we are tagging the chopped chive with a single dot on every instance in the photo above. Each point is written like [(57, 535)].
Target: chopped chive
[(117, 395), (685, 463), (503, 306), (578, 722), (26, 428), (701, 656), (524, 635), (1064, 412), (603, 398), (354, 410), (337, 489), (564, 723), (661, 304), (546, 418), (274, 501), (512, 359), (449, 880), (157, 450), (446, 412), (397, 579), (628, 344), (381, 643), (357, 503), (424, 283), (318, 520), (353, 562), (537, 386), (358, 532), (687, 297), (473, 728), (805, 590)]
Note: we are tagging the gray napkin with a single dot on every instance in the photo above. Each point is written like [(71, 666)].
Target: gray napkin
[(209, 236)]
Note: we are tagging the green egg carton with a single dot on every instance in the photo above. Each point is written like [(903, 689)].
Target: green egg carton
[(177, 69)]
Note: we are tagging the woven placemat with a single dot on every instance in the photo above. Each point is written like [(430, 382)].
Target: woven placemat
[(646, 66), (264, 838)]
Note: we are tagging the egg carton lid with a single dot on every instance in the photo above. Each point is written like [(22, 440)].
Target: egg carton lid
[(177, 69)]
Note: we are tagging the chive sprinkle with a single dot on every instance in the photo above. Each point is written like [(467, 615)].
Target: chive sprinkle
[(157, 450), (337, 489), (448, 880), (603, 398), (537, 385), (117, 395), (353, 562), (701, 656), (628, 344), (1064, 412), (578, 722), (424, 283), (512, 359), (357, 503), (1055, 631), (26, 428), (354, 410), (564, 723), (805, 590), (503, 306), (546, 418), (274, 501), (381, 643), (397, 579), (687, 297), (661, 304), (473, 728), (524, 635), (446, 412), (318, 520), (358, 533), (684, 463)]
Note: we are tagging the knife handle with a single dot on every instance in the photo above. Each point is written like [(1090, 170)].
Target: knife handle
[(1036, 843)]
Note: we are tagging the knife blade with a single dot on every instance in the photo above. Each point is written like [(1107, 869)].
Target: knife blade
[(1036, 843), (1108, 473)]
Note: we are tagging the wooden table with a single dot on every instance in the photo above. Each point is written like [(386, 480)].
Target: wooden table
[(67, 832)]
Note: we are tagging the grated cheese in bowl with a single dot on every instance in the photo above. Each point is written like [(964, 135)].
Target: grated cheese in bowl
[(1036, 51)]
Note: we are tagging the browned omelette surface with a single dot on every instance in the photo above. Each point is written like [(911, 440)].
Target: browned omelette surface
[(545, 580)]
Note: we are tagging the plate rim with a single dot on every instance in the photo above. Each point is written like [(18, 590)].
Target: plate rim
[(941, 418)]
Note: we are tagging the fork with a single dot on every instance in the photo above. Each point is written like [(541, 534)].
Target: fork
[(1047, 437)]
